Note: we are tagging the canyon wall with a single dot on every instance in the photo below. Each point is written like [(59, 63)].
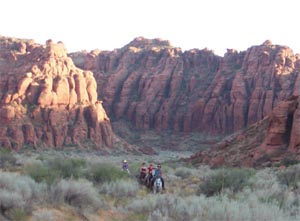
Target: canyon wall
[(50, 98), (273, 140), (157, 86)]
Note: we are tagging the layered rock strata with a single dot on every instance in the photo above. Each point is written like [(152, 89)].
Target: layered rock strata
[(46, 101), (269, 141), (157, 86)]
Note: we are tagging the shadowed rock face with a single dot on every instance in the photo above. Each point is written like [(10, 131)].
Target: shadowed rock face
[(46, 100), (157, 86), (270, 140)]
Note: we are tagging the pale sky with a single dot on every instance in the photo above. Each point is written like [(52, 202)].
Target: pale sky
[(188, 24)]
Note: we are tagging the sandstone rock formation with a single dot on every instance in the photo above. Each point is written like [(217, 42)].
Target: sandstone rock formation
[(269, 141), (157, 86), (46, 101)]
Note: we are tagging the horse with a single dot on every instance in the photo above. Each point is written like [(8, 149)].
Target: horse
[(157, 185), (142, 178), (148, 180)]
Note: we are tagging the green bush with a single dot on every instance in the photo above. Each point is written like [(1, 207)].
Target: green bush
[(232, 179), (18, 214), (56, 169), (7, 159), (67, 167), (41, 173), (100, 173)]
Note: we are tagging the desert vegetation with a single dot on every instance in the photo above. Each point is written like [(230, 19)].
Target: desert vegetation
[(60, 185)]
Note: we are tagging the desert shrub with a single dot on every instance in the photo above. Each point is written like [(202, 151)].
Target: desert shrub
[(265, 187), (100, 173), (120, 188), (290, 176), (18, 214), (157, 215), (284, 199), (41, 173), (263, 179), (143, 205), (67, 167), (235, 210), (164, 207), (221, 208), (204, 171), (183, 172), (172, 178), (42, 215), (18, 194), (134, 167), (55, 169), (80, 194), (10, 201), (232, 179), (7, 159), (289, 162)]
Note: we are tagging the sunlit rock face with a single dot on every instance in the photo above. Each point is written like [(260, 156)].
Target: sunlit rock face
[(46, 101), (158, 86)]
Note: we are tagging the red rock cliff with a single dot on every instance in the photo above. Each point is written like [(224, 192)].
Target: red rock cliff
[(155, 85), (271, 140), (46, 100)]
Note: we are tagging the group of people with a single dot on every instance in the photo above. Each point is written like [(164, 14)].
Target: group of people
[(147, 174), (150, 174)]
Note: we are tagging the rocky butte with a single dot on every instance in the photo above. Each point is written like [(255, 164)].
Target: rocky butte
[(157, 86), (46, 101)]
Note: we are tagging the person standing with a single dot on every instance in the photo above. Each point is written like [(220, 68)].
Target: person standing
[(125, 166)]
